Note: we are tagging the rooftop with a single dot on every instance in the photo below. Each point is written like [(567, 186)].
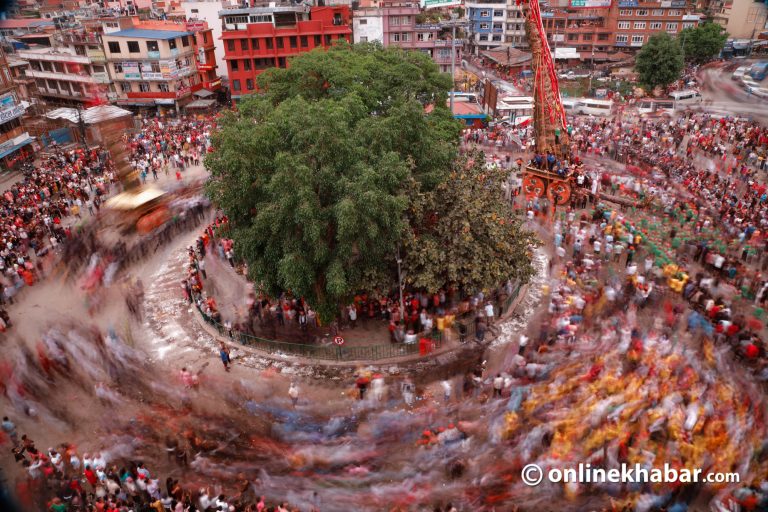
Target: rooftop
[(24, 23), (140, 33), (91, 115)]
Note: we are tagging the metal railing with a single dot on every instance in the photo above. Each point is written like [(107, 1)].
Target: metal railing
[(326, 352), (465, 323)]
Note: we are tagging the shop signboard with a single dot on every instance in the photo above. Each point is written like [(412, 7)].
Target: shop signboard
[(590, 4), (131, 71), (436, 4)]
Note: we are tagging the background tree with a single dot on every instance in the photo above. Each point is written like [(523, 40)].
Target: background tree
[(703, 43), (660, 61), (468, 237), (317, 173)]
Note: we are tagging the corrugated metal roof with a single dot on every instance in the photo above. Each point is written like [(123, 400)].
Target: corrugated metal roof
[(91, 115), (140, 33)]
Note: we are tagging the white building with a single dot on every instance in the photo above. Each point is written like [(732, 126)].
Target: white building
[(208, 10)]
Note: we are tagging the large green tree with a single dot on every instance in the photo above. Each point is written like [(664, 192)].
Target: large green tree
[(468, 236), (317, 173), (703, 43), (660, 61)]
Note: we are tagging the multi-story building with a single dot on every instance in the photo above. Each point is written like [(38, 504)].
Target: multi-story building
[(208, 11), (259, 38), (487, 24), (514, 31), (26, 86), (155, 63), (742, 19), (66, 76), (14, 140), (596, 34), (393, 23)]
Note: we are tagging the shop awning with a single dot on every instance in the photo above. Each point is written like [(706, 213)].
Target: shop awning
[(203, 93), (201, 104), (22, 141)]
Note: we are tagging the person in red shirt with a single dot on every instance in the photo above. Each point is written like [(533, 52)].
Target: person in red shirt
[(90, 475)]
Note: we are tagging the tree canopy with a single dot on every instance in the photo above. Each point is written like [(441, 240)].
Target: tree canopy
[(660, 61), (703, 43), (327, 172), (469, 237)]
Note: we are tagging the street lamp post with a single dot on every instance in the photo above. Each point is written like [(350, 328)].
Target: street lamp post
[(81, 125), (400, 284)]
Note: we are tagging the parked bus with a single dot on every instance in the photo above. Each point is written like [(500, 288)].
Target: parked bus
[(592, 107), (463, 96), (515, 109)]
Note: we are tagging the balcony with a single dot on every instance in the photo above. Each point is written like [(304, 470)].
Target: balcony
[(65, 77), (53, 56), (101, 77), (95, 54), (74, 38), (153, 55), (151, 95)]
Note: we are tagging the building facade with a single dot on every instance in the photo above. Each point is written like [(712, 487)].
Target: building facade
[(597, 34), (14, 139), (259, 38), (393, 23), (65, 77), (742, 19), (154, 66), (487, 21), (208, 11)]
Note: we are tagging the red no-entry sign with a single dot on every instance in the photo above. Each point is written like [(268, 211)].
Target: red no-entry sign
[(338, 340)]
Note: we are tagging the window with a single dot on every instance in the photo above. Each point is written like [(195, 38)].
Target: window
[(155, 66), (236, 85), (642, 12), (234, 65), (205, 37), (281, 62), (405, 20), (395, 38), (639, 25), (249, 84), (496, 38), (269, 43), (622, 38), (247, 65), (394, 20), (603, 37), (144, 86), (638, 40), (485, 14), (497, 13), (587, 37), (125, 86), (327, 38), (656, 25), (498, 26), (184, 41), (658, 12), (625, 12), (280, 43), (195, 11), (152, 46), (293, 42), (363, 21), (363, 39), (244, 45), (255, 44), (673, 12), (262, 63), (305, 41), (624, 25), (671, 27), (114, 47), (318, 41), (133, 47), (341, 37), (424, 36), (172, 44), (483, 37), (118, 67), (163, 87), (230, 45), (573, 37), (688, 24), (485, 26)]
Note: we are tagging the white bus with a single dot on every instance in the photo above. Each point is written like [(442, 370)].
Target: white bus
[(650, 106), (517, 108), (589, 106)]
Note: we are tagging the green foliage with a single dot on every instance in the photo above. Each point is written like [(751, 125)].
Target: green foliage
[(660, 61), (317, 173), (703, 43), (468, 237)]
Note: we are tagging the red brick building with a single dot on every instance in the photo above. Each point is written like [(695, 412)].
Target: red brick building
[(259, 38)]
